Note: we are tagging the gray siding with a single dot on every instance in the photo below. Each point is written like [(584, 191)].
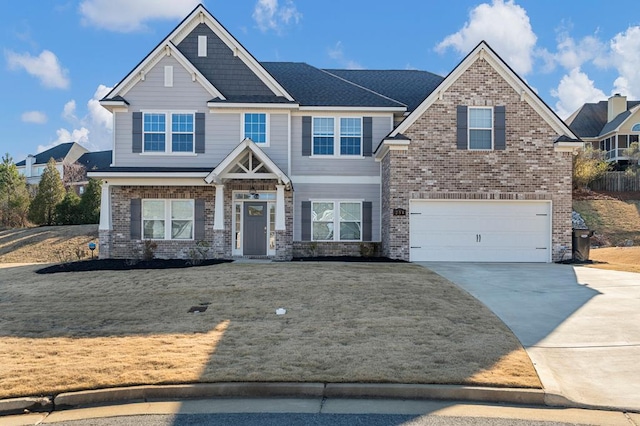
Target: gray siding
[(227, 72), (223, 134), (306, 192), (367, 166), (278, 140)]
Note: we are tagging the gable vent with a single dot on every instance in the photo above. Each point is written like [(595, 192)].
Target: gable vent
[(202, 46)]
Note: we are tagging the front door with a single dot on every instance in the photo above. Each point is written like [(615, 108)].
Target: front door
[(255, 229)]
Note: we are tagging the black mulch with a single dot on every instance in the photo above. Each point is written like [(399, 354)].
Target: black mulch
[(346, 259), (126, 265)]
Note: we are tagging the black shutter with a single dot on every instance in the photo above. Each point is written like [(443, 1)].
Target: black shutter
[(367, 221), (367, 136), (136, 219), (136, 135), (199, 219), (462, 127), (500, 137), (306, 221), (199, 133), (306, 136)]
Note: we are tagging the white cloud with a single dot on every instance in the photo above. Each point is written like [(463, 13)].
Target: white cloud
[(624, 54), (94, 130), (574, 90), (505, 26), (37, 117), (337, 54), (46, 67), (269, 15), (573, 54), (128, 15)]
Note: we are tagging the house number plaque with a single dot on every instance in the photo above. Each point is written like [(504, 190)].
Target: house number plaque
[(399, 212)]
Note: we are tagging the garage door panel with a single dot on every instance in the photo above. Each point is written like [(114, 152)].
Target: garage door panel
[(480, 231)]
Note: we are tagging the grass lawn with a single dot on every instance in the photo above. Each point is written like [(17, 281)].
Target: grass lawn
[(47, 244), (616, 258), (345, 322)]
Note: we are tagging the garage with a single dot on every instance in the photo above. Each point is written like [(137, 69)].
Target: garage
[(480, 231)]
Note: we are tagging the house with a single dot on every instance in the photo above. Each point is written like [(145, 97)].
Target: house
[(63, 154), (89, 161), (610, 126), (282, 159)]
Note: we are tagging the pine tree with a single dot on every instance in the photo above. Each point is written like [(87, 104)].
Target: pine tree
[(14, 195), (50, 193), (68, 210), (90, 202)]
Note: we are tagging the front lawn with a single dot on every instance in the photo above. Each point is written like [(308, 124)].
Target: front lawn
[(344, 322)]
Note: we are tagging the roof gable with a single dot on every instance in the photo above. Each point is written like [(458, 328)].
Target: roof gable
[(484, 52), (201, 21), (58, 153)]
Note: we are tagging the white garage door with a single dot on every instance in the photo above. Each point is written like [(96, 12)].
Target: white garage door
[(480, 231)]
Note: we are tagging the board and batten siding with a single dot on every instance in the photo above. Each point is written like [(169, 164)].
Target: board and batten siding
[(337, 192), (338, 166)]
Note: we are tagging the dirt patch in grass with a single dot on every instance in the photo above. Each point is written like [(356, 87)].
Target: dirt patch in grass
[(47, 244), (616, 258), (345, 322)]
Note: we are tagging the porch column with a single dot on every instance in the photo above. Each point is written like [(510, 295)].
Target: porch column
[(280, 222), (218, 218), (105, 208)]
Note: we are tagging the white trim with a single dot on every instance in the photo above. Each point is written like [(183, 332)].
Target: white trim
[(484, 52), (245, 106), (168, 76), (491, 129), (218, 218), (336, 218), (165, 181), (568, 146), (337, 137), (105, 208), (168, 218), (280, 213), (161, 175), (168, 131), (337, 180), (352, 109)]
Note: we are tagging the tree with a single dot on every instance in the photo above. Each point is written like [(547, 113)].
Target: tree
[(588, 166), (90, 202), (50, 193), (14, 195), (68, 210), (633, 152)]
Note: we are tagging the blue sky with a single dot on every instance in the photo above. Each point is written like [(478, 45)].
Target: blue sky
[(58, 57)]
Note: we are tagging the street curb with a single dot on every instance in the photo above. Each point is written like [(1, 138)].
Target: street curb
[(154, 393)]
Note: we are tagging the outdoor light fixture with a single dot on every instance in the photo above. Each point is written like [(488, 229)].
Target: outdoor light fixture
[(253, 192), (92, 247)]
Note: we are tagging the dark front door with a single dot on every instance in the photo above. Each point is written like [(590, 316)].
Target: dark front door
[(255, 229)]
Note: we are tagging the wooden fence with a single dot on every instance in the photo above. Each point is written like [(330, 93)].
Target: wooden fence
[(616, 182)]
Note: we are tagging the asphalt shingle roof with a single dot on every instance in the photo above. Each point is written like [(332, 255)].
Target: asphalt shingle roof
[(95, 160), (58, 153), (311, 86), (410, 87), (591, 120)]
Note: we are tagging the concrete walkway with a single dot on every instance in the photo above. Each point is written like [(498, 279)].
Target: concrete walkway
[(580, 326)]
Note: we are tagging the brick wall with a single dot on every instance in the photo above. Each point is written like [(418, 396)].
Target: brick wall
[(342, 248), (433, 167)]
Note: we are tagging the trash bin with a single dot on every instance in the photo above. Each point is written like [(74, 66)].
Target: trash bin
[(581, 242)]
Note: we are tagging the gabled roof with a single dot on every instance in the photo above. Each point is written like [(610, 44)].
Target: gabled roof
[(95, 160), (484, 52), (314, 87), (590, 121), (410, 87), (58, 153), (200, 16)]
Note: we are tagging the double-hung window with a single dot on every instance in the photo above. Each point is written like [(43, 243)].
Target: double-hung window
[(323, 135), (350, 136), (255, 127), (336, 221), (480, 128), (167, 219), (156, 132)]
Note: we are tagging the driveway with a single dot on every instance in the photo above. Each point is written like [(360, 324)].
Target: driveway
[(580, 326)]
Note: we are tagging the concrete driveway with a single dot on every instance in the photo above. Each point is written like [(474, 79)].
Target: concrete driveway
[(580, 326)]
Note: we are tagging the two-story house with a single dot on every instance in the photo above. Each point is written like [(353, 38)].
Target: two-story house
[(63, 154), (610, 126), (281, 159)]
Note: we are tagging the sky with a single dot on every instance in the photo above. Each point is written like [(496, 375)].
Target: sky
[(59, 57)]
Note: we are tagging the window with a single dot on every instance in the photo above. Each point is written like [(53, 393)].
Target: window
[(350, 136), (348, 222), (480, 128), (323, 131), (157, 213), (255, 127), (636, 127), (156, 132)]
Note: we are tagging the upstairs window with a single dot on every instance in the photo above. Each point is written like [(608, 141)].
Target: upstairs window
[(480, 128), (323, 135), (350, 136), (180, 132), (255, 127)]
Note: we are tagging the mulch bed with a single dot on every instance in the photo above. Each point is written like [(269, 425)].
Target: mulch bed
[(126, 265)]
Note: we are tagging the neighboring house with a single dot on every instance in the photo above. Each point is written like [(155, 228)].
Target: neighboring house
[(88, 162), (281, 159), (610, 126), (63, 154)]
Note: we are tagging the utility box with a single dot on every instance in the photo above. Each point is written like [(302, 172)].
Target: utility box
[(581, 243)]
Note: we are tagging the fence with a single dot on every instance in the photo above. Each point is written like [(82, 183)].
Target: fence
[(616, 182)]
